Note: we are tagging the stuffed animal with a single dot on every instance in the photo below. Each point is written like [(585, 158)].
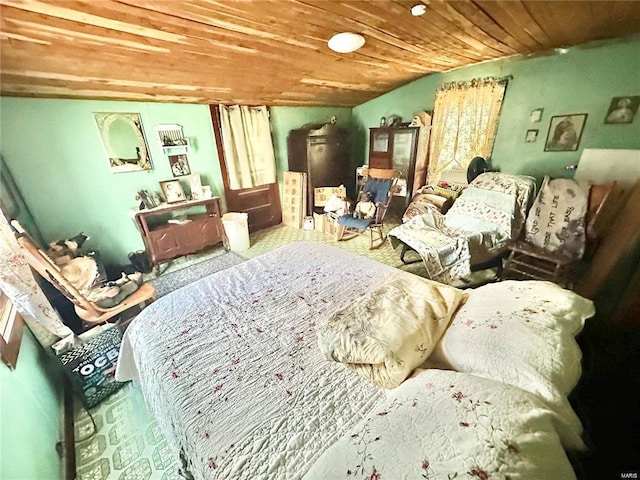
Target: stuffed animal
[(365, 208)]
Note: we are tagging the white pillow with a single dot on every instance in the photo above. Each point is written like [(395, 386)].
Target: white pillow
[(521, 333)]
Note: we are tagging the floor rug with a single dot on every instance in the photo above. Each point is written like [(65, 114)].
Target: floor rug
[(172, 281)]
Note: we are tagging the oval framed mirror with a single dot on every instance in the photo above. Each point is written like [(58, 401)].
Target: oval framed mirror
[(124, 141)]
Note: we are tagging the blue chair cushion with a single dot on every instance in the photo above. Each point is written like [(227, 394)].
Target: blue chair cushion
[(358, 223), (378, 189)]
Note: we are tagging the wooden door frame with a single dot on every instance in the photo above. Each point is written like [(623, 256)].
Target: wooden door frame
[(274, 191), (217, 129)]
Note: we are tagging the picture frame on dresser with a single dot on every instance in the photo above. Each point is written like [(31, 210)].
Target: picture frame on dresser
[(172, 191)]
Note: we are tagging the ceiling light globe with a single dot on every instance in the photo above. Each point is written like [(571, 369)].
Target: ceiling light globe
[(346, 42), (419, 9)]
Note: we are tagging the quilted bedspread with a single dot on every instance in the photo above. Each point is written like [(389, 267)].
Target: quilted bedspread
[(230, 369), (489, 213)]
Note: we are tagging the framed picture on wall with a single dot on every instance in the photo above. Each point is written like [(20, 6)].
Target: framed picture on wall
[(565, 132), (536, 115), (622, 110), (179, 165), (531, 136)]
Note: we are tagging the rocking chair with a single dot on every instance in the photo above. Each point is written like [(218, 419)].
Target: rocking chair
[(87, 310), (380, 185)]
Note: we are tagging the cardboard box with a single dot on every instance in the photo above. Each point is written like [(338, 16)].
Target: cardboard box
[(329, 225), (91, 365), (318, 221), (294, 199)]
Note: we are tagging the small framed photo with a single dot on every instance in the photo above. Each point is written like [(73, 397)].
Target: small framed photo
[(536, 115), (172, 190), (531, 136), (148, 199), (195, 185), (179, 165), (622, 110), (565, 132)]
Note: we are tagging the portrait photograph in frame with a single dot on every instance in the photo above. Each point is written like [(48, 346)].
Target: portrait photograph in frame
[(622, 110), (172, 191), (531, 136), (565, 132), (179, 165)]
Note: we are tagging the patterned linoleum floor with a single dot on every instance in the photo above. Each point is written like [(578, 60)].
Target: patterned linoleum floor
[(127, 444)]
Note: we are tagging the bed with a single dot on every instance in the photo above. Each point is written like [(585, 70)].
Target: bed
[(490, 212), (232, 369)]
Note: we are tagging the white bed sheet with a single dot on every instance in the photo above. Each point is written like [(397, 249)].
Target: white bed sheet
[(230, 369)]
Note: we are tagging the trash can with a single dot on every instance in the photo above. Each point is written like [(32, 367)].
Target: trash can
[(237, 229)]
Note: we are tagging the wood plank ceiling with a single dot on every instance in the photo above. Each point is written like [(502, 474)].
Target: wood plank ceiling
[(274, 52)]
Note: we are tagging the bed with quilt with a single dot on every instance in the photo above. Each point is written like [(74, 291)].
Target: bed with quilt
[(312, 362)]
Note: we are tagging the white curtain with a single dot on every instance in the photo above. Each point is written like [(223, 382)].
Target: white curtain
[(465, 122), (247, 144), (17, 283)]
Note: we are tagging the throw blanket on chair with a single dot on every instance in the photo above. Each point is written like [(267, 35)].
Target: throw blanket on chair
[(386, 334), (489, 213)]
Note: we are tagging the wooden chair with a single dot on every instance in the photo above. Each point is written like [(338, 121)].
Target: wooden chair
[(380, 184), (88, 311), (526, 261)]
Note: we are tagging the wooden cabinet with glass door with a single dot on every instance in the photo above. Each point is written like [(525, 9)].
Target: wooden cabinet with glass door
[(397, 148)]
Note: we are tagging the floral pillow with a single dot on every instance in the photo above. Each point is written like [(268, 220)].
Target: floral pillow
[(521, 333)]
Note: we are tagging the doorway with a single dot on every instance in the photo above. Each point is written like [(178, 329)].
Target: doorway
[(260, 202)]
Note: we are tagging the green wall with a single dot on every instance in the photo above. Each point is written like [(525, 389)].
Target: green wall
[(584, 80), (57, 159), (30, 414)]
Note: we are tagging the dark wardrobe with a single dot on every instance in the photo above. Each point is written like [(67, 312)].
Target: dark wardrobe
[(322, 152)]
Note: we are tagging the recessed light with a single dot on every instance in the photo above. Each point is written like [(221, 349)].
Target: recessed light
[(346, 42), (418, 9), (562, 50)]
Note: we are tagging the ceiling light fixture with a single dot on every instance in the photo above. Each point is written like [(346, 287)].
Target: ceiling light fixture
[(418, 9), (346, 42)]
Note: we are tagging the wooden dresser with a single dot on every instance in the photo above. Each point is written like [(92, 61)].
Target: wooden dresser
[(165, 239)]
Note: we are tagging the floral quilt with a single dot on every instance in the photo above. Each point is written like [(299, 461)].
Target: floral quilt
[(230, 369), (490, 212), (443, 425)]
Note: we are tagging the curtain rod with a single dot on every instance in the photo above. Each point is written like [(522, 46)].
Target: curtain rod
[(473, 81)]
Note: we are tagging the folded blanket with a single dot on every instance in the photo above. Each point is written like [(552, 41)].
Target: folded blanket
[(386, 334)]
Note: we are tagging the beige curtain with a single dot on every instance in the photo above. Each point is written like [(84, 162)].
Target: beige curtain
[(464, 124), (247, 144), (17, 283)]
